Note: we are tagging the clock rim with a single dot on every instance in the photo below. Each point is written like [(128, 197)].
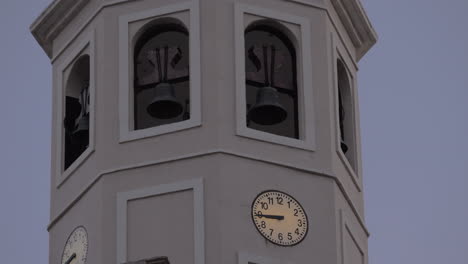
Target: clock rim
[(303, 210), (68, 238)]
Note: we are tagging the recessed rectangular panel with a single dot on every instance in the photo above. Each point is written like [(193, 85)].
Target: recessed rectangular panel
[(352, 252), (162, 225)]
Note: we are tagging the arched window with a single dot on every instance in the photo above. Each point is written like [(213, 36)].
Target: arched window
[(271, 80), (76, 122), (161, 74), (345, 112)]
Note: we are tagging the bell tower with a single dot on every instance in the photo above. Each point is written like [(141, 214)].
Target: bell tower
[(206, 131)]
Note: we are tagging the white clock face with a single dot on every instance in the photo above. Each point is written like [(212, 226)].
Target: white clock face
[(279, 218), (76, 247)]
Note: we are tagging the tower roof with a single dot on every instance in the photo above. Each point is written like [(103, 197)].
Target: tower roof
[(357, 24)]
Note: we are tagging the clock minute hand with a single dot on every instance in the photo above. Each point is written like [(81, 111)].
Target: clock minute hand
[(70, 258), (277, 217)]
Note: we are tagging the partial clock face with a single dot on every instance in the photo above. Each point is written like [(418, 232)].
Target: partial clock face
[(76, 247), (279, 218)]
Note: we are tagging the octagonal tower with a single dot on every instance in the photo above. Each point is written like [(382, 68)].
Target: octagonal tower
[(183, 131)]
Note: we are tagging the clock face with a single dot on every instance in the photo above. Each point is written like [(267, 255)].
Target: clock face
[(76, 247), (279, 218)]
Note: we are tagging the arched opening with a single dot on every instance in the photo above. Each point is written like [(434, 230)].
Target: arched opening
[(345, 113), (76, 121), (161, 74), (271, 79)]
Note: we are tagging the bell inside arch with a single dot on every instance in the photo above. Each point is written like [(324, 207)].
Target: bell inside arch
[(267, 110), (164, 104), (81, 133)]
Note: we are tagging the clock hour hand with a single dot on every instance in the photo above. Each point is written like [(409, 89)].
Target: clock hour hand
[(70, 258), (277, 217)]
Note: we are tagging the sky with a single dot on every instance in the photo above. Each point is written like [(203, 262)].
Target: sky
[(414, 125), (413, 89)]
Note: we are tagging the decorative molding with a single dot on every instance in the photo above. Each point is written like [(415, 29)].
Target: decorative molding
[(87, 46), (100, 175), (50, 22), (42, 29), (345, 227), (304, 76), (126, 89), (53, 20), (198, 210), (357, 24)]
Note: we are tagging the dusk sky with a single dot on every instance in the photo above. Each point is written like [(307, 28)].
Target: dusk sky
[(413, 92)]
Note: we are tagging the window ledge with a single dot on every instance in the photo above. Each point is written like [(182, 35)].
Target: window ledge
[(74, 166), (349, 168), (159, 130), (272, 138)]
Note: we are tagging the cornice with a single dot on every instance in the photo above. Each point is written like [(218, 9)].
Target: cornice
[(357, 24), (53, 20), (59, 13)]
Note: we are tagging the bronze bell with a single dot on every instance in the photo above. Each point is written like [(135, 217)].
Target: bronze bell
[(81, 133), (267, 110), (164, 104)]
